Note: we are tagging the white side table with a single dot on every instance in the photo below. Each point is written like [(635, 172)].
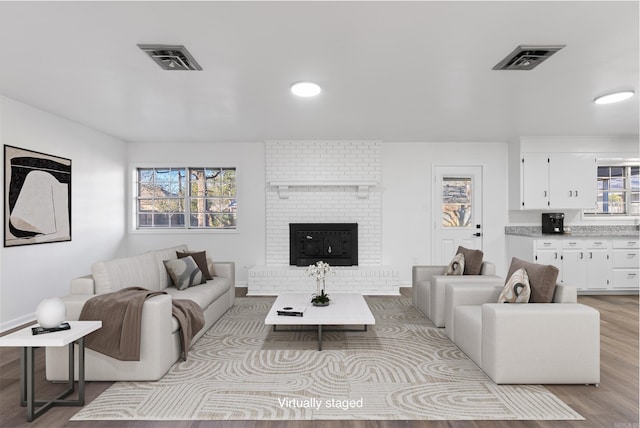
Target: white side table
[(28, 342)]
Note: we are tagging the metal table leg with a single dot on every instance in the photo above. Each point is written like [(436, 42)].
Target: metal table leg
[(320, 330), (27, 384)]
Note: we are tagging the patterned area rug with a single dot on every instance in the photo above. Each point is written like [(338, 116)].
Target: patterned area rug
[(401, 368)]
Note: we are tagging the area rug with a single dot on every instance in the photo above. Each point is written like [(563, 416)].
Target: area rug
[(402, 368)]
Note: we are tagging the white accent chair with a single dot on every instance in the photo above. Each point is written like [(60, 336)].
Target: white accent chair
[(429, 287), (525, 343)]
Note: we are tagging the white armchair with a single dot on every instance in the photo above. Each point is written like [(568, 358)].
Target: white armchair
[(530, 343), (429, 287)]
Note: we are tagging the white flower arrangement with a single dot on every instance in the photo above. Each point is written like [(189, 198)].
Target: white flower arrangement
[(320, 270)]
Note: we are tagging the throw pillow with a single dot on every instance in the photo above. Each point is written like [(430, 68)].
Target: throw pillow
[(456, 267), (200, 257), (516, 289), (542, 279), (184, 272), (472, 260)]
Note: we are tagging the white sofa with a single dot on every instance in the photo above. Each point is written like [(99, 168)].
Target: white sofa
[(533, 343), (429, 287), (160, 342)]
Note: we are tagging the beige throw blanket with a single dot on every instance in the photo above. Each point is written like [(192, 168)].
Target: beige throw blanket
[(121, 316)]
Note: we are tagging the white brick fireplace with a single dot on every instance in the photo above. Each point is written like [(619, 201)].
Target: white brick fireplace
[(323, 182)]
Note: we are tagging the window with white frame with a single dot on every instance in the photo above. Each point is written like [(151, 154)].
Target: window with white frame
[(618, 191), (186, 198)]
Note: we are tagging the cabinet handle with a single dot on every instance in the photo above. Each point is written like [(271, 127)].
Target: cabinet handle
[(545, 193), (590, 255), (581, 255), (576, 193), (631, 275), (556, 255), (632, 255)]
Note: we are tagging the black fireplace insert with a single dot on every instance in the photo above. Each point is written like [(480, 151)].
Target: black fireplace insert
[(334, 243)]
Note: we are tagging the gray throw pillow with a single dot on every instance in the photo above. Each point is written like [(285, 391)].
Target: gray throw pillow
[(184, 272), (472, 260), (542, 279)]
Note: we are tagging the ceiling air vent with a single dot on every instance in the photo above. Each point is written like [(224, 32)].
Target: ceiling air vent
[(527, 57), (171, 57)]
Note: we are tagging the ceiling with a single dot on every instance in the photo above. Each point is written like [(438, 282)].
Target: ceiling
[(391, 71)]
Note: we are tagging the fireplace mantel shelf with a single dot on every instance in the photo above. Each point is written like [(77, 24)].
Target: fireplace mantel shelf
[(363, 187)]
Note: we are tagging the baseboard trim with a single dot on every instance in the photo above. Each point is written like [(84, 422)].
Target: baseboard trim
[(17, 323)]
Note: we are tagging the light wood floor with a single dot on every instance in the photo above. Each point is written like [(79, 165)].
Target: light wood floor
[(613, 404)]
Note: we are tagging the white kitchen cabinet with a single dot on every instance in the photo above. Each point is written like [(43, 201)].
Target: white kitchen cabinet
[(548, 252), (557, 181), (535, 181), (573, 270), (572, 180), (585, 263), (626, 263), (591, 265), (598, 261)]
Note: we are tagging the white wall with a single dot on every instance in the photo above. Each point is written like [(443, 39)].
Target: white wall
[(246, 246), (407, 217), (31, 273), (406, 198)]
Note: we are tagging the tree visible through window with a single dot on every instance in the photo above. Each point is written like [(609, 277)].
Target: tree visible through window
[(186, 198), (618, 191), (456, 201)]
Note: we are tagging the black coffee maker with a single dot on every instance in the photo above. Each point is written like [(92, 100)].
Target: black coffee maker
[(552, 222)]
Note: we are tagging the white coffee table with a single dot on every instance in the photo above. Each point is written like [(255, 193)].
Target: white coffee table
[(344, 309), (28, 342)]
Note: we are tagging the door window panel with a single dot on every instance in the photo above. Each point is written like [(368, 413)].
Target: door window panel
[(457, 208)]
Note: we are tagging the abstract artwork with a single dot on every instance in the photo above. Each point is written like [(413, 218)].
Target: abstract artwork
[(37, 197)]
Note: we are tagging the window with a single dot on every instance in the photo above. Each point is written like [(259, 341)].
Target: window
[(456, 201), (618, 191), (186, 198)]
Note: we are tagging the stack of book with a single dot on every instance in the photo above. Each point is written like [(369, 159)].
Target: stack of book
[(292, 311)]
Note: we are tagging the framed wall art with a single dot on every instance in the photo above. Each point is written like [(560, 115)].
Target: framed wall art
[(37, 197)]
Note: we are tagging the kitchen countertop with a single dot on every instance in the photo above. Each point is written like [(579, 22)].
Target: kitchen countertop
[(598, 231)]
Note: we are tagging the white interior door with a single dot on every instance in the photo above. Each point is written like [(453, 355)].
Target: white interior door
[(457, 211)]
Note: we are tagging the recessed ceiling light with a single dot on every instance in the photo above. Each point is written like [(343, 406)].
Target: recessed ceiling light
[(305, 89), (614, 97)]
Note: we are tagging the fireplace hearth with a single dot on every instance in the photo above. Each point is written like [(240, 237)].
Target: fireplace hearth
[(334, 243)]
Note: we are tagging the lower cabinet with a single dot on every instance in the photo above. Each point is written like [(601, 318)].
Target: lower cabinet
[(589, 264), (626, 263)]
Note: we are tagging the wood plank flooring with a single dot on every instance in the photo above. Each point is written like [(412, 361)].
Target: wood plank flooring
[(613, 404)]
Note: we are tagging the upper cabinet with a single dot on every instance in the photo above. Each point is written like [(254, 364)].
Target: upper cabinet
[(573, 178), (561, 172), (557, 181)]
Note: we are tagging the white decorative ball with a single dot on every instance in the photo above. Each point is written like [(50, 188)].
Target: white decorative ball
[(51, 312)]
